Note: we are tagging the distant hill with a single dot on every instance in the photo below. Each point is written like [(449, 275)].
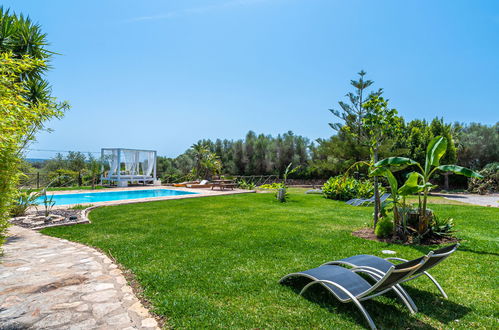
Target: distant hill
[(35, 160)]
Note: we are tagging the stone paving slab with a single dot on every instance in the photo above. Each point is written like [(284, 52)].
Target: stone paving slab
[(50, 283)]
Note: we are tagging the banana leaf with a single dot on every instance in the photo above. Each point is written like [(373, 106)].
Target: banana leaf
[(436, 149), (460, 170), (411, 185), (395, 161)]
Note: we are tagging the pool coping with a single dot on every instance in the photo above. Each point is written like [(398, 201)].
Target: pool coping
[(195, 192)]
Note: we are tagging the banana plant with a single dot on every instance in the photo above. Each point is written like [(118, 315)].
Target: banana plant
[(398, 195), (420, 181)]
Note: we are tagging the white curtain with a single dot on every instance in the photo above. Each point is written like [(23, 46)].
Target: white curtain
[(130, 158), (113, 162), (148, 164)]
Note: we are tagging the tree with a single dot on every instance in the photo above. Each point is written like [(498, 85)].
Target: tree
[(26, 103), (380, 123), (206, 163), (94, 166), (477, 144), (352, 114), (18, 116)]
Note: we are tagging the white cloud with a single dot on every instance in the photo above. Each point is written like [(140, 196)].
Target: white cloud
[(198, 10)]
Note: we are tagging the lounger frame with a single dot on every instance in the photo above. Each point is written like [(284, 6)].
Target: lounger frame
[(443, 256), (380, 279)]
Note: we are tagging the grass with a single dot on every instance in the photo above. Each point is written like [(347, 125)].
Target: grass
[(215, 262)]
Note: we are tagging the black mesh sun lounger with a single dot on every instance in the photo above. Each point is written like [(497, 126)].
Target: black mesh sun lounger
[(366, 202), (384, 265), (347, 286)]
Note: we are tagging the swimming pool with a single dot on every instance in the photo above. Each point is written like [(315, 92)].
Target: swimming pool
[(108, 196)]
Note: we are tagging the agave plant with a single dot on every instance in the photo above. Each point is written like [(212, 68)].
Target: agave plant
[(418, 182)]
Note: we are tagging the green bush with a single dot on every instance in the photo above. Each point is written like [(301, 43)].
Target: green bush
[(63, 178), (489, 183), (24, 199), (272, 186), (384, 227), (344, 188), (243, 184), (442, 226)]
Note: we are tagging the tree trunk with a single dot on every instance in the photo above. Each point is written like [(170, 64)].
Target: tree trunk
[(376, 192), (446, 181)]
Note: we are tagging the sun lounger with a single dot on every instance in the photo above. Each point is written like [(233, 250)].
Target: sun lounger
[(347, 286), (366, 202), (202, 184), (185, 183), (314, 191), (384, 265)]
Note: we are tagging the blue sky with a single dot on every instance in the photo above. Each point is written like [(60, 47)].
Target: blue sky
[(163, 74)]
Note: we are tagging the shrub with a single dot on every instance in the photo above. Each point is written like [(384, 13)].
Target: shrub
[(23, 201), (442, 226), (63, 178), (243, 184), (384, 227), (344, 188), (489, 183), (271, 186)]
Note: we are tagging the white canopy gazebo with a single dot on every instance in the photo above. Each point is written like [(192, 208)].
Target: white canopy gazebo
[(122, 166)]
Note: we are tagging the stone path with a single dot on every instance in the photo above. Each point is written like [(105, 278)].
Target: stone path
[(49, 283), (483, 200)]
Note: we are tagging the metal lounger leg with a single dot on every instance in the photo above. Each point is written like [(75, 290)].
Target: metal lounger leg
[(355, 300), (406, 299), (437, 284)]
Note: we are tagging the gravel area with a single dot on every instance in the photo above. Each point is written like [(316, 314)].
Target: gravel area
[(482, 200), (59, 217)]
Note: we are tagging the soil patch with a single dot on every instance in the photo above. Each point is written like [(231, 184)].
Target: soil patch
[(368, 233)]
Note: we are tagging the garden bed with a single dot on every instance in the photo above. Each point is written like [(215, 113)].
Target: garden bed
[(368, 233), (58, 217)]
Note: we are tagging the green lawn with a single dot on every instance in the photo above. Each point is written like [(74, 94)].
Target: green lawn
[(216, 261)]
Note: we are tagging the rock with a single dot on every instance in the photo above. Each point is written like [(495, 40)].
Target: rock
[(82, 308), (126, 289), (53, 320), (67, 305), (93, 287), (115, 272), (120, 319), (138, 309), (149, 323), (84, 325), (99, 310), (11, 301), (100, 296)]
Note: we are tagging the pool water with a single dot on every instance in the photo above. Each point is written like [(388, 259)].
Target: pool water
[(94, 197)]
